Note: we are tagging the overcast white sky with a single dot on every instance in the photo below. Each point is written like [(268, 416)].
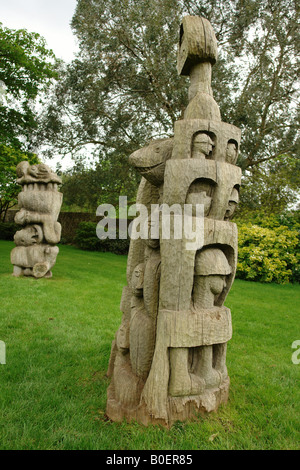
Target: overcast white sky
[(50, 18)]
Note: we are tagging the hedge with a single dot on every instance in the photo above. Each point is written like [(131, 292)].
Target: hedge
[(7, 230), (86, 239)]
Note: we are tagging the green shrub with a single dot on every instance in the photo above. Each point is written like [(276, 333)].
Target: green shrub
[(268, 254), (7, 230), (86, 239), (291, 220)]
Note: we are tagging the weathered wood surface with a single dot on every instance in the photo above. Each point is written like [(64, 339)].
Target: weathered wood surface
[(168, 358)]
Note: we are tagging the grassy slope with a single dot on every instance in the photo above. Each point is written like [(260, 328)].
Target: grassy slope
[(58, 334)]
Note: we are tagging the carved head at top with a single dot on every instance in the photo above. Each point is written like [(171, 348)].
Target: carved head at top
[(197, 44), (39, 173)]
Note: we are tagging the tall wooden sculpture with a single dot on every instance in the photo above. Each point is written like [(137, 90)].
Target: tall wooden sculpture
[(168, 359)]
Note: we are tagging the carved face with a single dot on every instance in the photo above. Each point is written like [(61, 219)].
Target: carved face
[(202, 146), (231, 152), (232, 204), (29, 236), (137, 280), (200, 192), (123, 338), (230, 210)]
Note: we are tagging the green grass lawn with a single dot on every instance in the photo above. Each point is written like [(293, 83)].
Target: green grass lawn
[(58, 334)]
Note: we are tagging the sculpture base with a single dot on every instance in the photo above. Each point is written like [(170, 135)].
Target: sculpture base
[(188, 408)]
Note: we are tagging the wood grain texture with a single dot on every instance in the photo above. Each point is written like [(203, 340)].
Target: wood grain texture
[(168, 359)]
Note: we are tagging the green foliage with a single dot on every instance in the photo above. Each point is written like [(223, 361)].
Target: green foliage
[(25, 70), (271, 188), (123, 88), (86, 188), (9, 189), (268, 254), (291, 220), (86, 239)]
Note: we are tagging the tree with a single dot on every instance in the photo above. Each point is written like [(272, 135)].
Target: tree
[(123, 88), (26, 69), (270, 188), (87, 188), (9, 189)]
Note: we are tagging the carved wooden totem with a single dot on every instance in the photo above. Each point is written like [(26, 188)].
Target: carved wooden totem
[(39, 203), (168, 359)]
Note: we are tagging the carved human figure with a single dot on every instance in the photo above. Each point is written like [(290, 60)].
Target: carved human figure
[(192, 370), (211, 269), (144, 304)]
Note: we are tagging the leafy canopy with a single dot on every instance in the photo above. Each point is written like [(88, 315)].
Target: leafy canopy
[(123, 89), (9, 189), (26, 69)]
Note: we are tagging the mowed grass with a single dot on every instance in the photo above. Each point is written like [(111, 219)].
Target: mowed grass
[(58, 335)]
